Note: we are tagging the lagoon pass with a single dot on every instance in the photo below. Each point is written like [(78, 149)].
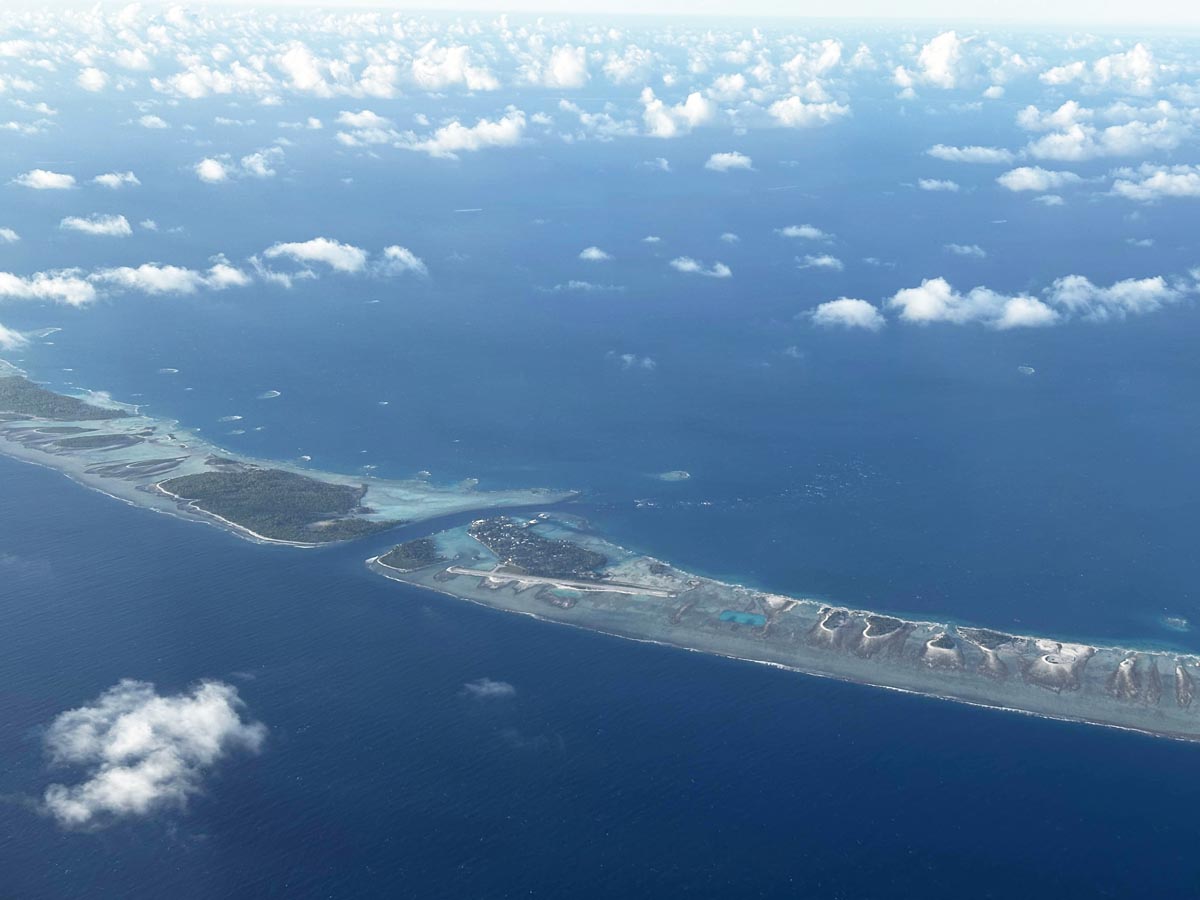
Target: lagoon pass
[(553, 567)]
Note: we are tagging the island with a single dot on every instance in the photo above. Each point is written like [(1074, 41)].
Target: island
[(553, 567), (118, 449)]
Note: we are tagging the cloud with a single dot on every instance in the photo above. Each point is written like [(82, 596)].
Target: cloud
[(659, 164), (366, 128), (154, 278), (585, 287), (92, 79), (143, 752), (1070, 113), (730, 238), (153, 122), (1135, 70), (567, 68), (397, 260), (665, 121), (11, 340), (64, 286), (936, 301), (116, 180), (823, 261), (939, 60), (633, 361), (594, 254), (435, 68), (454, 138), (1035, 178), (1135, 138), (725, 162), (846, 312), (44, 180), (212, 171), (806, 232), (8, 236), (693, 267), (970, 154), (107, 226), (792, 112), (972, 250), (487, 689), (939, 63), (338, 256), (259, 164), (1133, 296), (937, 184), (1149, 183)]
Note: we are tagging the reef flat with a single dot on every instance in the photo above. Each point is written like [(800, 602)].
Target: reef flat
[(115, 448), (552, 567)]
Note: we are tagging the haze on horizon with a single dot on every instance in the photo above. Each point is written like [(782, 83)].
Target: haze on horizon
[(1066, 13)]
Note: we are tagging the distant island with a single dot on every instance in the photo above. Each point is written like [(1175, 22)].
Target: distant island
[(553, 567)]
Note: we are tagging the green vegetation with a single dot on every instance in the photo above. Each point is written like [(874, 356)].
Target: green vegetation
[(518, 545), (281, 505), (21, 396), (413, 555), (98, 441)]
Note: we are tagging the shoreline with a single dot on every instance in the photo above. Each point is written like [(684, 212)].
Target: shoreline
[(375, 565), (1110, 684)]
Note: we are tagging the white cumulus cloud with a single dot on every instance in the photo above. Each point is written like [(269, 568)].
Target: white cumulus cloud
[(726, 162), (937, 184), (63, 286), (806, 232), (116, 180), (45, 180), (1035, 178), (594, 254), (338, 256), (154, 278), (821, 261), (793, 112), (846, 312), (143, 752), (970, 154), (663, 121), (102, 225), (212, 171), (454, 138), (397, 260), (936, 301), (1133, 296), (694, 267), (1148, 183), (11, 340)]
